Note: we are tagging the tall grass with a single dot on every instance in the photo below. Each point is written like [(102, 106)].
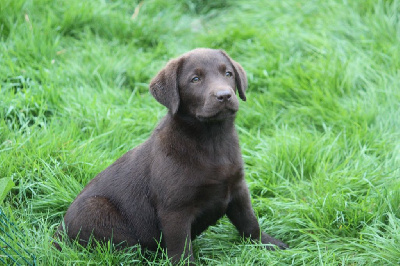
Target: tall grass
[(320, 132)]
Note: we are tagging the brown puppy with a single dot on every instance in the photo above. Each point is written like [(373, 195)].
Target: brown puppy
[(186, 176)]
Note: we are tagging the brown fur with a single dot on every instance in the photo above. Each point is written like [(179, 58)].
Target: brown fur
[(186, 176)]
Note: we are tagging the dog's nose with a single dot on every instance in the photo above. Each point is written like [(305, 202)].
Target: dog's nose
[(223, 95)]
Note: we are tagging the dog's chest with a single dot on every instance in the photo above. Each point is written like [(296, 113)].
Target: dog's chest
[(216, 184), (211, 197)]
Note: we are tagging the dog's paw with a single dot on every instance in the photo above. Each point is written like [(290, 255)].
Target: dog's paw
[(272, 243)]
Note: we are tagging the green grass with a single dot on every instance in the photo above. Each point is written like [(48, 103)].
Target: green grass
[(320, 132)]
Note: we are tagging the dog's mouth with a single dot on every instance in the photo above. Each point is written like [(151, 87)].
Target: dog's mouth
[(218, 116)]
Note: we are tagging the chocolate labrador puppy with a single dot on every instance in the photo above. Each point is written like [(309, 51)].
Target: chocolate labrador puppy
[(186, 176)]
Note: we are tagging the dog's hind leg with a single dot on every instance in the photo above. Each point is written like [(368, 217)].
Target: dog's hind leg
[(101, 218)]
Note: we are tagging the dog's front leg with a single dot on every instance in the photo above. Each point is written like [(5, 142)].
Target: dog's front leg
[(176, 227), (243, 218)]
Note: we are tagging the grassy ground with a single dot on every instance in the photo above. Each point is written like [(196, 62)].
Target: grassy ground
[(320, 132)]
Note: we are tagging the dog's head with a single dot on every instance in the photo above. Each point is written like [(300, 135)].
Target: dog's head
[(201, 83)]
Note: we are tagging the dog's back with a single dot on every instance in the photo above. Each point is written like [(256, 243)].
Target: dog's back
[(116, 205)]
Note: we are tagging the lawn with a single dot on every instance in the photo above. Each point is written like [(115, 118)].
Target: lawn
[(319, 132)]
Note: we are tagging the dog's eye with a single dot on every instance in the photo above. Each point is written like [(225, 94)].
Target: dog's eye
[(195, 80), (228, 74)]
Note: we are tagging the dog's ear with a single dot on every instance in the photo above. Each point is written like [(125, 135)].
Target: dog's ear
[(164, 86), (240, 76)]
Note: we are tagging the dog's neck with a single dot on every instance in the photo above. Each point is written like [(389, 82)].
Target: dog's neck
[(187, 137), (193, 127)]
